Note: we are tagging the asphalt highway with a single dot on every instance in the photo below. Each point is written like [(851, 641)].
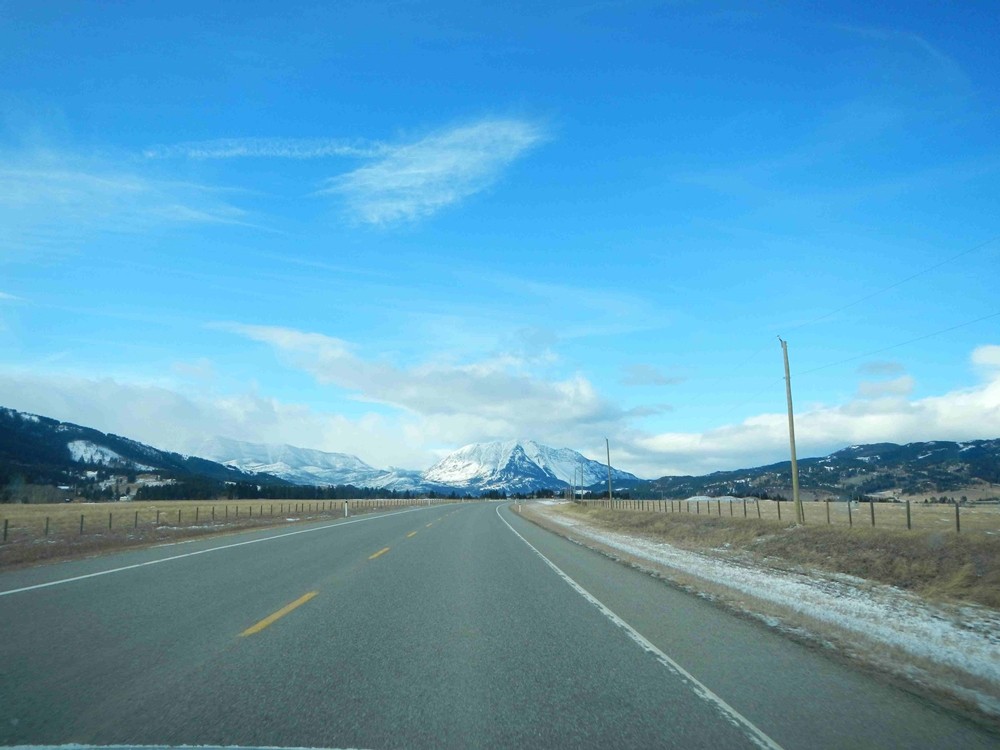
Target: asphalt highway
[(450, 626)]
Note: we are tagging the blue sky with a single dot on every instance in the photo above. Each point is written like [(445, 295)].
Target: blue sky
[(393, 229)]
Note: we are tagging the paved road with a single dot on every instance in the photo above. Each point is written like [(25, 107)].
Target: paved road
[(451, 626)]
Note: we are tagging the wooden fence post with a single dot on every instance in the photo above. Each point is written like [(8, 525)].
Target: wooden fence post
[(756, 501), (908, 524), (46, 527), (850, 519), (827, 511), (135, 525), (81, 524), (958, 524), (871, 507)]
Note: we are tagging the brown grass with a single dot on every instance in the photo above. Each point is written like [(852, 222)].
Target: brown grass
[(938, 564), (923, 516), (144, 523)]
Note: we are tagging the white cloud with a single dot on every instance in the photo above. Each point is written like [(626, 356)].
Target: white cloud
[(489, 399), (170, 419), (902, 386), (9, 297), (964, 414), (987, 357), (415, 180), (263, 148), (440, 407)]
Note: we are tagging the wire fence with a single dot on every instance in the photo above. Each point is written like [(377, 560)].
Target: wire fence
[(896, 515), (52, 523)]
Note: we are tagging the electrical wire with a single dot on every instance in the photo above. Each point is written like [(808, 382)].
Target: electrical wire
[(901, 343)]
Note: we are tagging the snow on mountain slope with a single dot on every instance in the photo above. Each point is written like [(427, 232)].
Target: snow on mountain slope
[(517, 466), (300, 465), (86, 452)]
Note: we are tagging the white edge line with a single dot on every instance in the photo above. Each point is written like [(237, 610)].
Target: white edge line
[(206, 551), (756, 734)]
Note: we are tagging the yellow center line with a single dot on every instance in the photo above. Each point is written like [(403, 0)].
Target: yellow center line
[(411, 534), (380, 552), (279, 614)]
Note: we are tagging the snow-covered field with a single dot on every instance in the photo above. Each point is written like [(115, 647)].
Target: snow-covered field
[(952, 648)]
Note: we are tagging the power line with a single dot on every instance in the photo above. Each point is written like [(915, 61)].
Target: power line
[(885, 289), (901, 343)]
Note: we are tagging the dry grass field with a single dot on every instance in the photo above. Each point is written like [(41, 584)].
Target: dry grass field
[(923, 516), (49, 531), (931, 560)]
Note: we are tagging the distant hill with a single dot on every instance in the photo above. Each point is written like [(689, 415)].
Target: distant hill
[(911, 469), (40, 450)]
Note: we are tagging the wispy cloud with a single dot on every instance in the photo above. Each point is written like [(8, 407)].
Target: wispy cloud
[(882, 367), (9, 297), (266, 148), (938, 63), (648, 375), (415, 180), (51, 199)]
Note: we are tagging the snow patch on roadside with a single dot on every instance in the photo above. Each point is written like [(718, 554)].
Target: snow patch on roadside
[(964, 638)]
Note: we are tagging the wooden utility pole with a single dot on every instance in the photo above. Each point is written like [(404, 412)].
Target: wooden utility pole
[(799, 511), (608, 446)]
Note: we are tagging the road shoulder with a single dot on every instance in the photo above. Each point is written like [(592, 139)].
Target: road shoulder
[(949, 653)]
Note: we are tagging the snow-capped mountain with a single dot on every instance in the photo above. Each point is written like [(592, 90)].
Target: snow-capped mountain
[(512, 466), (518, 466), (298, 465)]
